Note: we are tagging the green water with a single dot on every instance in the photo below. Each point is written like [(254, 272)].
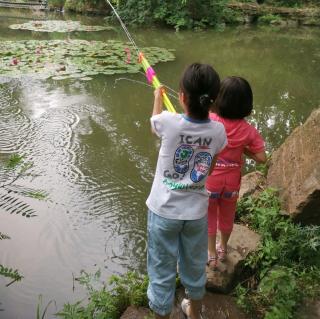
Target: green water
[(93, 152)]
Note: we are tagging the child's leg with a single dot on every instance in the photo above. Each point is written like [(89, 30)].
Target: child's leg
[(228, 203), (226, 220), (212, 225), (193, 243), (163, 243)]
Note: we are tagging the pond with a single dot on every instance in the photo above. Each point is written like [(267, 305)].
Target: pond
[(93, 153)]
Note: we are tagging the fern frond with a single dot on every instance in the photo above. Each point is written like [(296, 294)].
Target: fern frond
[(14, 161), (14, 205), (3, 236), (10, 273), (28, 192)]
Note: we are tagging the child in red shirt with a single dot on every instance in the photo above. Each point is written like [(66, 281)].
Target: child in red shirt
[(233, 104)]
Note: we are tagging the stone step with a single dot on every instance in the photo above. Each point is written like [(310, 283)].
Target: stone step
[(242, 242), (215, 306)]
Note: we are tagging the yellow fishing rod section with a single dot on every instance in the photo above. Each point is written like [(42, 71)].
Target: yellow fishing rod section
[(152, 79)]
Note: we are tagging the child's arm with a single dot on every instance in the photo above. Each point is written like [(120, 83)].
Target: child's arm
[(158, 101), (157, 105), (259, 157)]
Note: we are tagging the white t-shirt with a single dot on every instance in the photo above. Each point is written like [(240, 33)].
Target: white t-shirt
[(187, 149)]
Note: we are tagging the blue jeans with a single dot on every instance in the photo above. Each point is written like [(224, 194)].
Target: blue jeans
[(172, 241)]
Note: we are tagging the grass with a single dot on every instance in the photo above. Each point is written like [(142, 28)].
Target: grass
[(286, 268)]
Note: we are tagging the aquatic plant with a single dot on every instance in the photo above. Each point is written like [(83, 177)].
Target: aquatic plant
[(57, 26), (63, 59)]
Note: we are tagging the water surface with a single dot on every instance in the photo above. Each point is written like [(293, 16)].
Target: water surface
[(93, 153)]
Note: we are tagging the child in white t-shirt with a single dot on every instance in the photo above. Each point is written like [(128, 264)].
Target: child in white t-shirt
[(178, 201)]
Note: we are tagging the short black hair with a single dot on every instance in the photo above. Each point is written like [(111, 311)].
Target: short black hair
[(235, 99), (200, 84)]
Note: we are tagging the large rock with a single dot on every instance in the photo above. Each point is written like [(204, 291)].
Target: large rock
[(295, 171), (242, 242), (136, 313), (310, 310), (252, 184)]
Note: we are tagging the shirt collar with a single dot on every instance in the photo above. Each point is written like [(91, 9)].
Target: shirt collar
[(192, 120)]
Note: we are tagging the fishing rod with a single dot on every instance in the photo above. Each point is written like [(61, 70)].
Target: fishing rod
[(149, 71)]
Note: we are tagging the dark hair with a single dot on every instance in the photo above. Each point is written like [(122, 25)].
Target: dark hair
[(200, 84), (235, 99)]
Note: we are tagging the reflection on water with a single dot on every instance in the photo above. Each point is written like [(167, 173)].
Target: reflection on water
[(93, 153)]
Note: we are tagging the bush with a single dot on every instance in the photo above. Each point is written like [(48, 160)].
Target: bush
[(127, 290), (286, 267), (270, 19), (95, 6), (186, 14), (54, 4)]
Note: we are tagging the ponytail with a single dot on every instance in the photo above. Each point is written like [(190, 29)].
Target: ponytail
[(200, 84)]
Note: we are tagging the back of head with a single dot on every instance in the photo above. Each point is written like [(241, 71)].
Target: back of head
[(235, 99), (200, 84)]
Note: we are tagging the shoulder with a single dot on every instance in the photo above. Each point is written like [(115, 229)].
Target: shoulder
[(214, 117), (165, 115), (217, 126), (163, 122)]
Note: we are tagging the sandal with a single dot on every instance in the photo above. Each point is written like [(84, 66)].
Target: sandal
[(222, 253), (184, 306), (212, 262)]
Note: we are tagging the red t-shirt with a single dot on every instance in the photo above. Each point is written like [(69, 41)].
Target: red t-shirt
[(240, 135)]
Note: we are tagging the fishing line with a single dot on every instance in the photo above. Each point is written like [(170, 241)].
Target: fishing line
[(124, 27), (149, 71), (146, 84)]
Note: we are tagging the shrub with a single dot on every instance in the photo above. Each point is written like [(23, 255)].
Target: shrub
[(186, 14), (286, 267), (270, 19), (126, 290)]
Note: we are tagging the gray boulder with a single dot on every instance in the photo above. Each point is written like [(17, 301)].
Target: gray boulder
[(295, 172), (252, 184)]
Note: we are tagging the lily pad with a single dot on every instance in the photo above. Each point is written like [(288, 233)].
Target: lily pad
[(62, 59), (58, 26)]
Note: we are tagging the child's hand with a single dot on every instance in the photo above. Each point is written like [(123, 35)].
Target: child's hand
[(158, 94), (158, 100)]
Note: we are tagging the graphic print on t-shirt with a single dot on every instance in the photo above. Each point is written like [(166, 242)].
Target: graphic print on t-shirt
[(202, 163), (181, 159)]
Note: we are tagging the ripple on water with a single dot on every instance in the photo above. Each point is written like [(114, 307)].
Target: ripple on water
[(14, 125), (51, 135)]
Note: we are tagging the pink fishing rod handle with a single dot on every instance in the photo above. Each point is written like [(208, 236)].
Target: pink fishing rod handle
[(150, 74)]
